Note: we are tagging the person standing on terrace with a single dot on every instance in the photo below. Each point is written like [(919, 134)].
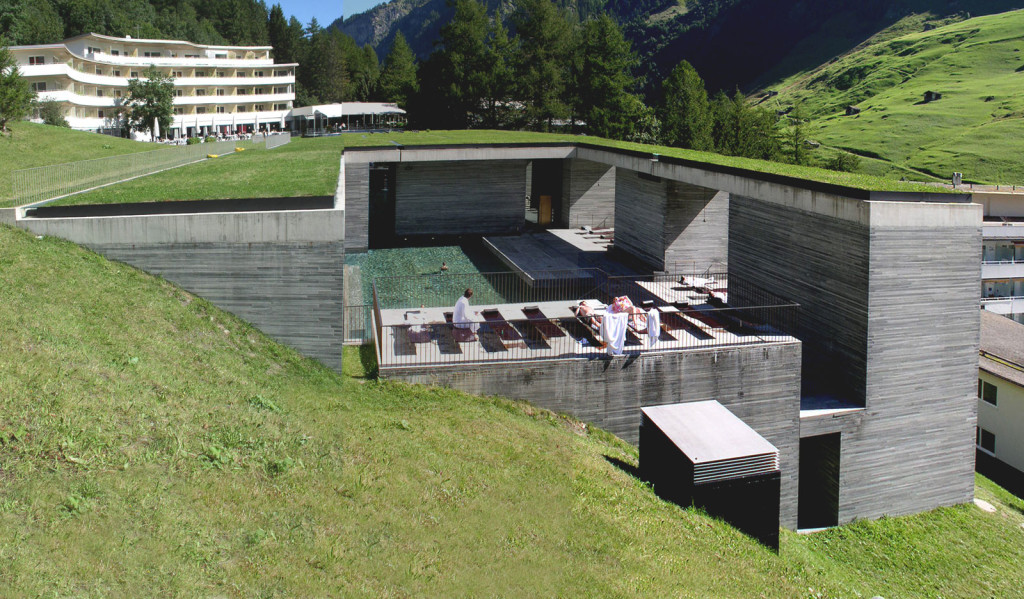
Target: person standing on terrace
[(461, 317)]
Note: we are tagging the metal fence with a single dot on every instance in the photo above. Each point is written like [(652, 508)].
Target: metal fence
[(278, 139), (58, 180), (693, 313)]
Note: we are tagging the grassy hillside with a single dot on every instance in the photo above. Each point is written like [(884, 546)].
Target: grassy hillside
[(977, 127), (33, 145), (151, 444), (309, 167)]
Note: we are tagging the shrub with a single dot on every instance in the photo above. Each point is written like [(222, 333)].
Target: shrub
[(210, 138), (192, 141), (844, 162), (52, 114)]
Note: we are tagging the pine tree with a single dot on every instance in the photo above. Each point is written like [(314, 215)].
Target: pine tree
[(686, 119), (602, 89), (542, 56), (397, 82), (15, 94), (455, 80)]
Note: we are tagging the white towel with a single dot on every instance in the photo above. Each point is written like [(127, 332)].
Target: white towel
[(653, 326), (613, 331)]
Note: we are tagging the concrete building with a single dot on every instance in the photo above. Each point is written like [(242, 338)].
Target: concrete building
[(1000, 435), (866, 387), (1002, 270), (217, 89)]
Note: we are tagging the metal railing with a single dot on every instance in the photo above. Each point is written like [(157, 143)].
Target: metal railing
[(525, 332), (45, 183), (278, 139), (358, 322)]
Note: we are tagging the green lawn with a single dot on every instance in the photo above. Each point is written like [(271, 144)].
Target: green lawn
[(303, 167), (309, 167), (977, 127), (33, 145), (153, 445)]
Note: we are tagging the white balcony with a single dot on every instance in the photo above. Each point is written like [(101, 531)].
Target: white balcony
[(228, 82), (202, 61), (1002, 269), (228, 100), (1002, 231), (1003, 305), (77, 99)]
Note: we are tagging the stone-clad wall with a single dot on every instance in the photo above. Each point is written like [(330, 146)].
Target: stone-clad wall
[(293, 292), (760, 384), (916, 450), (454, 198), (588, 193), (669, 224), (821, 263), (357, 206)]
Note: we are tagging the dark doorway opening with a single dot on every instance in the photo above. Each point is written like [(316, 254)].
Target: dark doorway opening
[(818, 504), (546, 192), (382, 206)]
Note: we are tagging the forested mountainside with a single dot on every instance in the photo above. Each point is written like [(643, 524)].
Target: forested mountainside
[(732, 43)]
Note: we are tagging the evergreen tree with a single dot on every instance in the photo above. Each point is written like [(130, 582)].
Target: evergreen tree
[(15, 94), (325, 76), (686, 119), (797, 137), (602, 91), (499, 83), (397, 80), (740, 130), (150, 99), (542, 55)]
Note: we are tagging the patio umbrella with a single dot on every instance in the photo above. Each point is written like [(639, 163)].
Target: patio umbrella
[(156, 128)]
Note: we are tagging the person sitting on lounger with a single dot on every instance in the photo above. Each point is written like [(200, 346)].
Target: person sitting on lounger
[(585, 312), (460, 318)]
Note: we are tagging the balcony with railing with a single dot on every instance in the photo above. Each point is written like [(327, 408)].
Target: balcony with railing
[(510, 320), (1011, 268)]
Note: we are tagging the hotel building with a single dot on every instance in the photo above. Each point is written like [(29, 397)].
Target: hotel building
[(217, 89)]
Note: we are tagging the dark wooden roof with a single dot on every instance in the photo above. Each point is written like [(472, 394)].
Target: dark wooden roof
[(1002, 347)]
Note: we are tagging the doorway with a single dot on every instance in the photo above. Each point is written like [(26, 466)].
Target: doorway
[(818, 503)]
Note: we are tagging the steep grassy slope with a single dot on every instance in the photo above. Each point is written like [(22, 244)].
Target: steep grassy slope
[(33, 145), (977, 127), (152, 445)]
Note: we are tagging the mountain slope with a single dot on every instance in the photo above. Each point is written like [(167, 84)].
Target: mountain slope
[(151, 444), (977, 126)]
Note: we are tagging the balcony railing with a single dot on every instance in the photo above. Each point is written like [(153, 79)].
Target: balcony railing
[(515, 321)]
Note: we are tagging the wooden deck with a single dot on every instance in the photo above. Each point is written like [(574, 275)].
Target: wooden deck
[(541, 331)]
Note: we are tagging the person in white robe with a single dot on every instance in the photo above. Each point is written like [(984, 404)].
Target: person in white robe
[(461, 317)]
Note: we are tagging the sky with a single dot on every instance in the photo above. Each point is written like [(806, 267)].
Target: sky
[(325, 11)]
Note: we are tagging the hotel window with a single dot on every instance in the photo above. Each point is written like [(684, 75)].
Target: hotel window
[(240, 91), (99, 113), (220, 55), (178, 74), (92, 50), (191, 56), (200, 110), (280, 73), (220, 110), (239, 108), (260, 91), (258, 73), (117, 73), (117, 93), (220, 92), (221, 74), (33, 60), (200, 73), (99, 93), (200, 92), (260, 108), (280, 90), (179, 110), (280, 107), (987, 392), (987, 440), (178, 93), (115, 53), (99, 71), (134, 74), (239, 74), (151, 54), (39, 86)]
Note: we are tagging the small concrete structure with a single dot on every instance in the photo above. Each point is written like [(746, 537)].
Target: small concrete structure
[(701, 454)]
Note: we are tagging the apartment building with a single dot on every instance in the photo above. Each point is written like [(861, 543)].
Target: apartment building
[(217, 89), (1002, 268), (1001, 402)]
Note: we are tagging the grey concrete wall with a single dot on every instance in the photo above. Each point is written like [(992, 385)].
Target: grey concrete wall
[(357, 206), (915, 451), (293, 292), (671, 225), (453, 198), (760, 384), (820, 262), (889, 317), (588, 193)]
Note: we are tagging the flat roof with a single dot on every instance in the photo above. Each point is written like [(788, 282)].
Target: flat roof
[(706, 431)]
